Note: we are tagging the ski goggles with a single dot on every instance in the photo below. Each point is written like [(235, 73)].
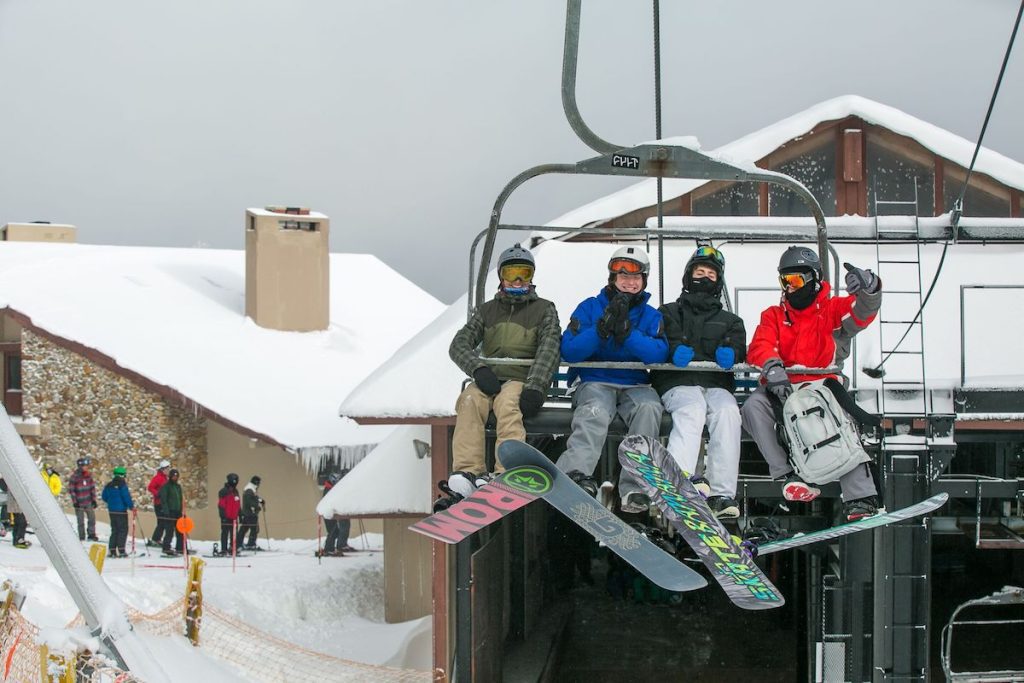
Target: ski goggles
[(516, 271), (625, 265), (709, 253), (794, 280)]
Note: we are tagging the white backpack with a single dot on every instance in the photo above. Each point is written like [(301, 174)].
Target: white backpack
[(823, 441)]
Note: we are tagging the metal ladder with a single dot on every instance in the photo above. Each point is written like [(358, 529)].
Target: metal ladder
[(901, 264)]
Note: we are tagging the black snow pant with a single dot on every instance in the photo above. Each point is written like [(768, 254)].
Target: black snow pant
[(227, 535), (249, 524), (344, 528), (331, 543), (118, 532), (172, 532), (164, 529), (19, 524)]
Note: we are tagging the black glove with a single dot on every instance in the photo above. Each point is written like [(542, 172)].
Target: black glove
[(616, 310), (530, 402), (858, 279), (94, 505), (486, 381), (776, 380), (263, 504)]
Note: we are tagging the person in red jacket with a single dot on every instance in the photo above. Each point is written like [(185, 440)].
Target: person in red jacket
[(809, 327), (164, 530), (228, 504)]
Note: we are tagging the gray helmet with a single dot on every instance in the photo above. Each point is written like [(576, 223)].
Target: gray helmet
[(515, 254), (799, 258)]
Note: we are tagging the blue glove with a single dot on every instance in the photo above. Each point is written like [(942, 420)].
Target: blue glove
[(725, 356), (682, 356), (858, 279)]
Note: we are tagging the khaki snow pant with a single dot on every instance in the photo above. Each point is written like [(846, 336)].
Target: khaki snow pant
[(471, 412)]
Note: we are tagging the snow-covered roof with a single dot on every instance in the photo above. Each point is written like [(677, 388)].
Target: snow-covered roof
[(420, 380), (392, 479), (759, 144), (177, 318)]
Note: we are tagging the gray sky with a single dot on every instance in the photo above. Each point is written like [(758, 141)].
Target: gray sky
[(158, 123)]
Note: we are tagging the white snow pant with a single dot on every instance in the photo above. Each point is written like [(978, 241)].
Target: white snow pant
[(759, 421), (595, 405), (690, 408)]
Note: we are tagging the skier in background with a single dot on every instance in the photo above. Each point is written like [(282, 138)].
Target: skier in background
[(228, 505), (616, 325), (516, 323), (170, 508), (331, 547), (119, 501), (18, 522), (82, 490), (810, 328), (52, 479), (164, 527), (249, 519), (699, 329)]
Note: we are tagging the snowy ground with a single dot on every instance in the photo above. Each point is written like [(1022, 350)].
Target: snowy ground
[(333, 606)]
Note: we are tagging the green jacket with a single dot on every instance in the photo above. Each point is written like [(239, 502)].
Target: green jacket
[(170, 499), (509, 326)]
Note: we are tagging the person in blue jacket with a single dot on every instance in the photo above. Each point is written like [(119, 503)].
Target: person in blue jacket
[(119, 501), (616, 325)]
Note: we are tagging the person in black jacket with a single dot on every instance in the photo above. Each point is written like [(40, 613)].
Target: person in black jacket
[(699, 329), (249, 520)]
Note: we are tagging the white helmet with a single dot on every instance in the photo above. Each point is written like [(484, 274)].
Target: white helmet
[(163, 464), (634, 255)]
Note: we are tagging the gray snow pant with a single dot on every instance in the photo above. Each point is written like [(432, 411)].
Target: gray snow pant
[(595, 405), (86, 518), (759, 421)]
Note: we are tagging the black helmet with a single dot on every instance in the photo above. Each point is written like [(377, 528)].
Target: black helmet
[(232, 479), (172, 473), (515, 254), (255, 479), (796, 259), (707, 256), (83, 462)]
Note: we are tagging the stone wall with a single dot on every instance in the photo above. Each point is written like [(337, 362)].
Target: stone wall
[(86, 410)]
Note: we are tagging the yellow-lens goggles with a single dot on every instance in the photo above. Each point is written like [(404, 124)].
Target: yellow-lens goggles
[(517, 271), (792, 280)]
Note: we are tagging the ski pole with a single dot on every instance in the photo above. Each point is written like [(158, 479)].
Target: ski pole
[(266, 527), (135, 516), (234, 542)]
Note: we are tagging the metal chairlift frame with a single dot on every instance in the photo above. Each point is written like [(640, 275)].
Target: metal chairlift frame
[(1008, 596), (646, 160)]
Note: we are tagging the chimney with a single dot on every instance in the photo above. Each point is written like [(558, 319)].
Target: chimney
[(287, 269), (39, 231)]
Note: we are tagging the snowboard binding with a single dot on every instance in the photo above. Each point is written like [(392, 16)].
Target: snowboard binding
[(449, 498)]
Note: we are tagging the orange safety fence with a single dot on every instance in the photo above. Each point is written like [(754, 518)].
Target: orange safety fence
[(260, 655)]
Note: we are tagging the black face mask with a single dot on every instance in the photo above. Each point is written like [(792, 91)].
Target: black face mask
[(703, 285), (803, 297)]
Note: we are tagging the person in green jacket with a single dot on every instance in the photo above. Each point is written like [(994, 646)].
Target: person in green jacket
[(516, 323), (170, 508)]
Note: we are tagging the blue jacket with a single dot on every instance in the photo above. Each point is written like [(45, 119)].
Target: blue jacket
[(646, 342), (117, 496)]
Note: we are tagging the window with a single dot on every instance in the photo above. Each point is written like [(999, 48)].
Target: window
[(735, 199), (892, 177), (816, 169), (977, 202), (12, 371)]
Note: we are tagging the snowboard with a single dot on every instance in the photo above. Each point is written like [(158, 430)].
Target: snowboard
[(924, 507), (509, 491), (684, 508), (633, 547)]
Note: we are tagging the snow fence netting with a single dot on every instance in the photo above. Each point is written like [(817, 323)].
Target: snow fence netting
[(259, 655)]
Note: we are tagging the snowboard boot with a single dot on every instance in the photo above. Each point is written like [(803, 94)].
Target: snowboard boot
[(448, 497), (861, 508), (635, 502), (702, 486), (796, 489), (585, 482), (724, 507)]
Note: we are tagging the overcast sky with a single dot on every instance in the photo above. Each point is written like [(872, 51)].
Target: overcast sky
[(158, 123)]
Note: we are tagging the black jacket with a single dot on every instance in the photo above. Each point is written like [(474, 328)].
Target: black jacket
[(699, 321)]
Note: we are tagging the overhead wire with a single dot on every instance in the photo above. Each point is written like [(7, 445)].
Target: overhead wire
[(878, 371)]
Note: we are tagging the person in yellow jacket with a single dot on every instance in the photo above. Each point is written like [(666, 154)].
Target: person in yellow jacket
[(52, 479)]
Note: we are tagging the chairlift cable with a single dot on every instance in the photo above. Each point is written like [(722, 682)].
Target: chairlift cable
[(877, 371), (657, 136)]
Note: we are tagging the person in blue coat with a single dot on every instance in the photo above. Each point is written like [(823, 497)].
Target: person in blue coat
[(616, 325), (119, 501)]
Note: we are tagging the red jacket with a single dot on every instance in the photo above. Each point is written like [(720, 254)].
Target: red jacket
[(155, 484), (803, 337), (229, 503)]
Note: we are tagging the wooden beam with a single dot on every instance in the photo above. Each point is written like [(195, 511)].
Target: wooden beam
[(439, 447), (940, 184)]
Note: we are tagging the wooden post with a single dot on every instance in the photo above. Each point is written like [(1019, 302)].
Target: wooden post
[(194, 599)]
